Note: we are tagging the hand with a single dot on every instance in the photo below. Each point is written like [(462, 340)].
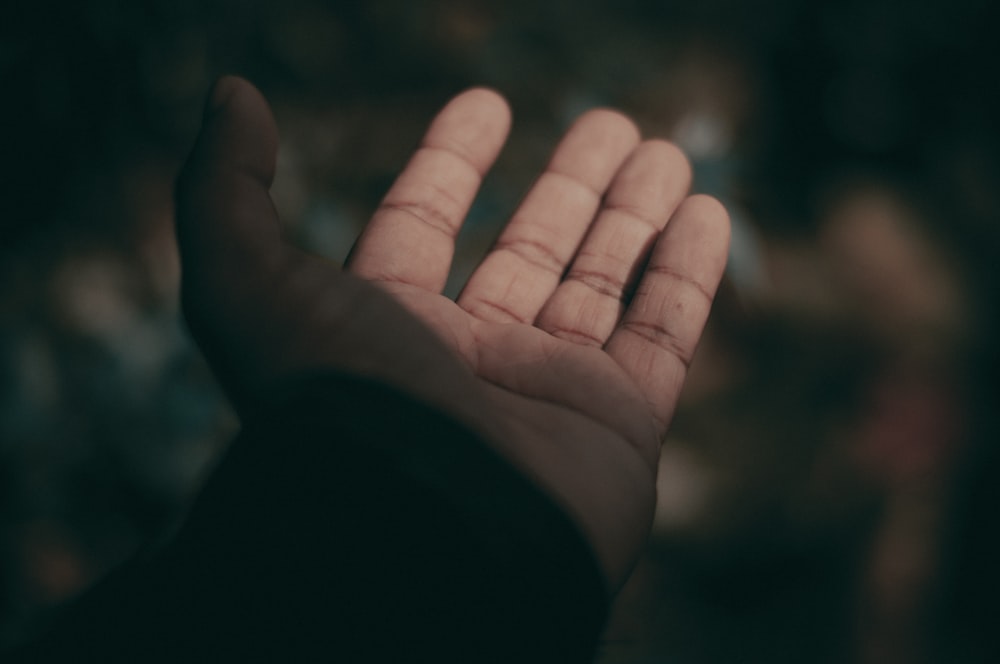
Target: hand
[(566, 350)]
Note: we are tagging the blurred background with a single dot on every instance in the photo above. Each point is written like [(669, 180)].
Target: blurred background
[(828, 493)]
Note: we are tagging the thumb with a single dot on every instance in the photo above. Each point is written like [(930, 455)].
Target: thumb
[(228, 232), (226, 221)]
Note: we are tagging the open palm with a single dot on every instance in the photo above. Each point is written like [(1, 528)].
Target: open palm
[(566, 350)]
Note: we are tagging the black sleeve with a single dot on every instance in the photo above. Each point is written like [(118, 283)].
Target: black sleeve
[(350, 523)]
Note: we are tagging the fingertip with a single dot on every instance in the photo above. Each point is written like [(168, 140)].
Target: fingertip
[(222, 92), (229, 87), (474, 124), (222, 191), (711, 214), (671, 159), (700, 223), (595, 147), (491, 100), (238, 129), (613, 122), (231, 93), (656, 177)]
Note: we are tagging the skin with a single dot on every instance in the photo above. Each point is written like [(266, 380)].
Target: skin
[(568, 347)]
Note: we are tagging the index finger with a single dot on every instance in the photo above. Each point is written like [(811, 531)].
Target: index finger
[(411, 236)]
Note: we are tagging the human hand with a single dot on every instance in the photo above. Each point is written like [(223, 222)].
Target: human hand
[(566, 350)]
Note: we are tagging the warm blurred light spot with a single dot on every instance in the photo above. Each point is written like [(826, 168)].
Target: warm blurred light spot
[(904, 285), (93, 295), (54, 567), (683, 490)]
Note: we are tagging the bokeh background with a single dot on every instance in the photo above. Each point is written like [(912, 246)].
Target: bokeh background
[(828, 493)]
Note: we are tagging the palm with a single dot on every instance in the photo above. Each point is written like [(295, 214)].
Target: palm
[(567, 348)]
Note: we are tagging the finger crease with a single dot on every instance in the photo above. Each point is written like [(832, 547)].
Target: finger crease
[(489, 304), (533, 252), (577, 181), (598, 282), (457, 154), (576, 336), (633, 212), (386, 280), (683, 278), (661, 337), (445, 194), (429, 215)]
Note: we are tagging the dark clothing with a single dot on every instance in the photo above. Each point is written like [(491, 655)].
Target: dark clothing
[(349, 523)]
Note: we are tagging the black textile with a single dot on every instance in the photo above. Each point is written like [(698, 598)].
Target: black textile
[(349, 523)]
